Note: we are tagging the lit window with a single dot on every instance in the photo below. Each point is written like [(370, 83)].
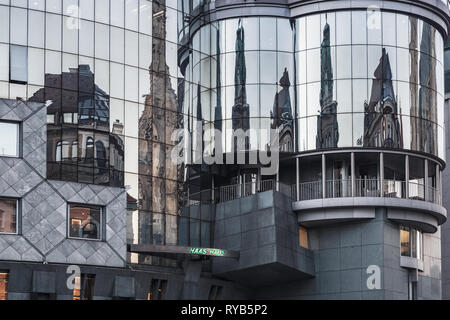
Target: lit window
[(411, 242), (157, 289), (84, 287), (85, 222), (18, 72), (4, 285), (9, 139), (303, 237), (8, 216), (68, 117), (51, 119)]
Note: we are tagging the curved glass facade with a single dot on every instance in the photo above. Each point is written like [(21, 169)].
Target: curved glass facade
[(330, 80)]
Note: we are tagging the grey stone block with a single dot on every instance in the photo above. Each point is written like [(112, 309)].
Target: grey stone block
[(372, 255), (266, 218), (232, 208), (249, 222), (330, 282), (329, 260), (265, 200), (372, 233), (267, 236), (351, 280), (232, 226), (250, 240), (351, 257), (249, 204)]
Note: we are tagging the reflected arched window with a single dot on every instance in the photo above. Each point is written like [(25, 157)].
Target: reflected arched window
[(89, 148), (101, 154)]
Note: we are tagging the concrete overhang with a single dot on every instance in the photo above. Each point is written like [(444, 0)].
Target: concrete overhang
[(411, 263), (264, 275), (426, 216)]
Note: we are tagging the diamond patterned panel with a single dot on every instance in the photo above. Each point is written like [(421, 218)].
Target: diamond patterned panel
[(44, 203)]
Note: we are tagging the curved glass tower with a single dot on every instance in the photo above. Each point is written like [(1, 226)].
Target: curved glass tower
[(223, 149), (355, 96)]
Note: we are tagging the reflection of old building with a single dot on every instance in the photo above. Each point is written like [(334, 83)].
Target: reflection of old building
[(79, 146), (382, 127), (281, 115), (240, 112), (327, 125), (158, 187), (426, 113)]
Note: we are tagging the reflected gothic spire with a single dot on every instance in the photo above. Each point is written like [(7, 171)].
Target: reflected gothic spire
[(240, 111), (427, 116), (218, 109), (327, 125), (381, 121), (281, 115)]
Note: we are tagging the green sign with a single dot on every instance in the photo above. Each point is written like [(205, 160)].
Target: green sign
[(207, 252)]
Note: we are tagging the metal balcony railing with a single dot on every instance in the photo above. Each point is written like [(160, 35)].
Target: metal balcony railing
[(365, 188), (236, 191), (315, 190)]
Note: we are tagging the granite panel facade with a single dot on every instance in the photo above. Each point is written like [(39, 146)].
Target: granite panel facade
[(43, 212)]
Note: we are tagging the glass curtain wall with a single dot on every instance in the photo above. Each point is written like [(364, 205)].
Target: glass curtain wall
[(325, 81)]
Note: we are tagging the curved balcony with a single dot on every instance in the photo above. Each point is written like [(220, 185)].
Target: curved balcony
[(412, 203), (370, 188)]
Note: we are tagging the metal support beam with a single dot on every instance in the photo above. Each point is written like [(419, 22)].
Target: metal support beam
[(381, 174), (324, 174), (426, 184), (353, 177), (297, 178), (407, 177)]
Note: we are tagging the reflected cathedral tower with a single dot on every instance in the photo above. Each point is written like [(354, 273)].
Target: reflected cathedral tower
[(327, 125), (382, 127), (240, 111)]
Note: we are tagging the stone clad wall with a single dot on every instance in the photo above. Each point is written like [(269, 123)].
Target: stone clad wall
[(43, 215)]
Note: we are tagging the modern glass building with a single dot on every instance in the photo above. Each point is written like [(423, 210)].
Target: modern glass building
[(222, 149)]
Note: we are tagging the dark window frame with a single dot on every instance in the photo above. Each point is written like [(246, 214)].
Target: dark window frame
[(102, 222), (18, 216), (11, 78), (19, 139)]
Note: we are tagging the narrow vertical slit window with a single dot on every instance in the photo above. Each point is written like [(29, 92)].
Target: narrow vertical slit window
[(157, 289), (4, 277), (84, 287), (8, 216), (303, 237)]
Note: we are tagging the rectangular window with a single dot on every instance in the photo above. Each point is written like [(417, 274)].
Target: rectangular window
[(8, 216), (18, 61), (411, 242), (85, 222), (84, 287), (303, 237), (9, 139), (157, 289), (405, 243), (4, 276)]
